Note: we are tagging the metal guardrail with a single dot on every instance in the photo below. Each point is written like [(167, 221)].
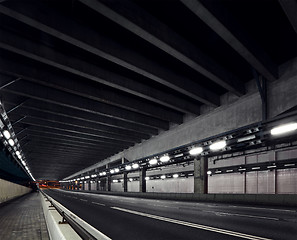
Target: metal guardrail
[(84, 230)]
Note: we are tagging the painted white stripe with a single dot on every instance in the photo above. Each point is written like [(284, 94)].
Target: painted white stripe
[(83, 200), (242, 215), (259, 208), (193, 225), (101, 204)]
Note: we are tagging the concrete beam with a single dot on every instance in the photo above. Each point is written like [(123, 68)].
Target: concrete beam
[(87, 89), (290, 9), (110, 124), (41, 93), (144, 25), (108, 49), (256, 58)]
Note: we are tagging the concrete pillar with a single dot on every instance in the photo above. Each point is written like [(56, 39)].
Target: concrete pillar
[(97, 184), (200, 175), (125, 183), (89, 185), (108, 180), (83, 185), (142, 182)]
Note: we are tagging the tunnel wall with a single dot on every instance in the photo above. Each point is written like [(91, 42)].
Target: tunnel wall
[(9, 190), (234, 112)]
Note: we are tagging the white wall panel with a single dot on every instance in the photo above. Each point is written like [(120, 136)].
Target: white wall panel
[(178, 185)]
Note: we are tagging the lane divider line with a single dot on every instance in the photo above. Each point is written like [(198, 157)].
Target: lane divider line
[(241, 215), (193, 225), (101, 204), (83, 200)]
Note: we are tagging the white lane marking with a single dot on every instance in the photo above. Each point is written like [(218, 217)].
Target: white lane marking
[(241, 215), (74, 197), (271, 209), (193, 225), (165, 206), (101, 204), (83, 200)]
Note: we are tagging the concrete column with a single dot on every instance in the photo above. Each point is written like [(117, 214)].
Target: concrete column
[(83, 185), (108, 181), (142, 182), (89, 185), (97, 184), (200, 175), (125, 183)]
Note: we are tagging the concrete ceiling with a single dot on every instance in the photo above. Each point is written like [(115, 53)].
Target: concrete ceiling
[(82, 80)]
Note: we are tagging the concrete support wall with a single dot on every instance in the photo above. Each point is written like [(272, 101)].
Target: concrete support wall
[(233, 113), (200, 175), (9, 190)]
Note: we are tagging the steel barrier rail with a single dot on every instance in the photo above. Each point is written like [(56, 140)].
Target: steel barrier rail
[(83, 229)]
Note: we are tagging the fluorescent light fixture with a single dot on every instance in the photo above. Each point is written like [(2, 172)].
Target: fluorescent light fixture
[(289, 165), (218, 145), (153, 161), (11, 142), (128, 167), (94, 175), (179, 155), (218, 171), (243, 139), (255, 168), (163, 177), (196, 151), (273, 166), (6, 134), (241, 169), (82, 178), (87, 177), (175, 175), (147, 178), (230, 170), (209, 172), (116, 170), (115, 181), (122, 180), (104, 173), (17, 153), (111, 171), (130, 179), (282, 129), (165, 158), (135, 166)]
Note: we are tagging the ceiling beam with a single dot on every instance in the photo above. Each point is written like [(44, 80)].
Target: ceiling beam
[(45, 94), (256, 58), (76, 123), (144, 25), (73, 129), (110, 124), (94, 43), (290, 9), (87, 89)]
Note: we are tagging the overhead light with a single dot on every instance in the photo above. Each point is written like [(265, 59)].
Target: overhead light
[(218, 145), (135, 166), (209, 172), (11, 142), (111, 171), (82, 178), (273, 166), (282, 129), (196, 151), (6, 134), (175, 175), (218, 171), (153, 161), (87, 177), (165, 158), (163, 177), (147, 178), (104, 173), (178, 155), (130, 179), (243, 139), (230, 170), (115, 181), (289, 165), (255, 168), (116, 170), (241, 169), (17, 153), (128, 167)]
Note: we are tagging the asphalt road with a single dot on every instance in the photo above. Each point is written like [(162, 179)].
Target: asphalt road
[(136, 218)]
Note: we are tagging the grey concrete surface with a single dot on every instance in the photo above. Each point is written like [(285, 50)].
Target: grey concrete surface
[(23, 219)]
